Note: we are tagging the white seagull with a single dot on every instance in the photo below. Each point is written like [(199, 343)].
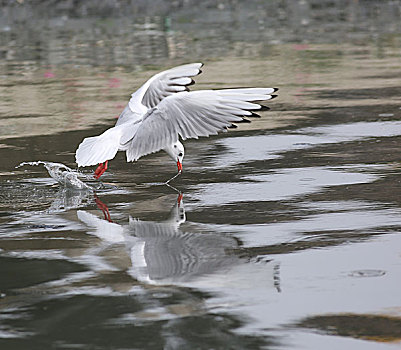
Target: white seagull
[(164, 109)]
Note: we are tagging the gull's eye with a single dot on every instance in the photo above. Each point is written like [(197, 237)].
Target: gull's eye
[(180, 154), (175, 146)]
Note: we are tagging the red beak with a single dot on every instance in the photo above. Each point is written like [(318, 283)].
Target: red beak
[(179, 166)]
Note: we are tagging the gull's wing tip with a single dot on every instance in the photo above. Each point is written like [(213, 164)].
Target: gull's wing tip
[(201, 64)]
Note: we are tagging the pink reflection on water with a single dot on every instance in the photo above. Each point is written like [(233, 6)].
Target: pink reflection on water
[(49, 74), (114, 83), (300, 47)]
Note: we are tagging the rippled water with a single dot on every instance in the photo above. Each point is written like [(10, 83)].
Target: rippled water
[(283, 233)]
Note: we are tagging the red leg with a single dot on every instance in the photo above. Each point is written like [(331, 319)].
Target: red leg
[(103, 207), (100, 169), (179, 199)]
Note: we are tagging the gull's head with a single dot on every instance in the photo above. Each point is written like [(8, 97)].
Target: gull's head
[(176, 152)]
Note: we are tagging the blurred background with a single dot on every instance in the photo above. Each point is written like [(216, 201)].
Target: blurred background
[(89, 49), (120, 33)]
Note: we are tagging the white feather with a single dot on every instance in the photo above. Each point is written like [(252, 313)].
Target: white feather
[(191, 115), (162, 85), (98, 149)]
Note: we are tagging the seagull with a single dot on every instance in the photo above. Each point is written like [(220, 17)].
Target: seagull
[(162, 111)]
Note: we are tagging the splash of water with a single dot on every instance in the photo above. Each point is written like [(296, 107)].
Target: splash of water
[(64, 175)]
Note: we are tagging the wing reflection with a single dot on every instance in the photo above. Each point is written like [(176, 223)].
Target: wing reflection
[(179, 253), (163, 253)]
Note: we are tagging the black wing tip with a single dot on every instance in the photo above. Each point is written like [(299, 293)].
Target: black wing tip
[(254, 115), (232, 126), (275, 89), (244, 120), (264, 108), (273, 96), (200, 71)]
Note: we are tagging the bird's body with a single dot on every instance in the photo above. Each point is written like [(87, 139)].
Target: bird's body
[(162, 110)]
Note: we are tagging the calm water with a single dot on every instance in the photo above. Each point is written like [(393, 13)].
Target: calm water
[(288, 232)]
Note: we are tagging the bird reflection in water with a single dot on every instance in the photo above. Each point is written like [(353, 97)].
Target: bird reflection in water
[(166, 252), (160, 252), (169, 252)]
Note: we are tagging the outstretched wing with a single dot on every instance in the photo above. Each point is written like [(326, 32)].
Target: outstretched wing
[(164, 84), (98, 149), (161, 85), (193, 114)]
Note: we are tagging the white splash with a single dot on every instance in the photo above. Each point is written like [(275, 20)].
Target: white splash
[(64, 175)]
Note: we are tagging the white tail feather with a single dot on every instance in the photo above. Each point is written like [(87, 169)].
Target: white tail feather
[(98, 149)]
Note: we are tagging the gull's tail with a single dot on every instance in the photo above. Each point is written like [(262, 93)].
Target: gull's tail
[(98, 149)]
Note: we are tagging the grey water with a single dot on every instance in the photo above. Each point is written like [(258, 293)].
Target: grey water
[(284, 233)]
